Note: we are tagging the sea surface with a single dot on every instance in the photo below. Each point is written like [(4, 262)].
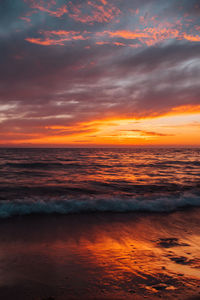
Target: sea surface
[(67, 181)]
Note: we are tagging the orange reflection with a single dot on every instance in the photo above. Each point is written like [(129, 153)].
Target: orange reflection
[(104, 256)]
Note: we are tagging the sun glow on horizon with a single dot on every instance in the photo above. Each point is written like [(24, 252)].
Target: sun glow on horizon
[(174, 128)]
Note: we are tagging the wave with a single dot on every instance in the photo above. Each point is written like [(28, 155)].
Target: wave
[(69, 206), (63, 164), (55, 165), (33, 165)]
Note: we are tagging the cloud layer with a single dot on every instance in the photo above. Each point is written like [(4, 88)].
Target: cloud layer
[(64, 63)]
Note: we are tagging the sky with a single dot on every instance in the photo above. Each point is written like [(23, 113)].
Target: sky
[(99, 73)]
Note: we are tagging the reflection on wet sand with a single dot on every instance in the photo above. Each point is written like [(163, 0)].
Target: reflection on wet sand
[(110, 256)]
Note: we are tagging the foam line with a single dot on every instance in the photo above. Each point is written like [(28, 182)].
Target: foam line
[(66, 206)]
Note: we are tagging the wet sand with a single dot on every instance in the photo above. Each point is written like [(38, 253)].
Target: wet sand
[(101, 256)]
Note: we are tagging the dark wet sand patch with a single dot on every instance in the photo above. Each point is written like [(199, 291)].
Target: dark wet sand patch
[(182, 260), (170, 242)]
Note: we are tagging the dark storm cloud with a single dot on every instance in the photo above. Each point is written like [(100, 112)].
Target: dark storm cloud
[(108, 64)]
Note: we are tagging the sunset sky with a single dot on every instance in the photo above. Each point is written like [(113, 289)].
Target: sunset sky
[(99, 73)]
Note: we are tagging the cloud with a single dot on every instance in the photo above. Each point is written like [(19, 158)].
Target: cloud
[(57, 37), (47, 7), (147, 133), (65, 63)]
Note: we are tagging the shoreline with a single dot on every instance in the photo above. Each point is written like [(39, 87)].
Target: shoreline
[(101, 256)]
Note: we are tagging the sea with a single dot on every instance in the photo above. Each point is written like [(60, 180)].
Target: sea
[(77, 181)]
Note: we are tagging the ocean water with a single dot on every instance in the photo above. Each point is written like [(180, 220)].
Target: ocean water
[(98, 180)]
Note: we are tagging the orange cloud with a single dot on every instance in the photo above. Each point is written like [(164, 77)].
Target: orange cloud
[(192, 38), (103, 12), (185, 109), (147, 133), (46, 42), (28, 20), (58, 13), (45, 7), (148, 36), (56, 37), (102, 43)]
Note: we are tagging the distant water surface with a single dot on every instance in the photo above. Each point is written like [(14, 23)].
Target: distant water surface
[(91, 180)]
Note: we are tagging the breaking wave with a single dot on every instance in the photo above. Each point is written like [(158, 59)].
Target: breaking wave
[(69, 206)]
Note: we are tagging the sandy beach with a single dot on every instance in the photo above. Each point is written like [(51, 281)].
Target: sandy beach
[(101, 256)]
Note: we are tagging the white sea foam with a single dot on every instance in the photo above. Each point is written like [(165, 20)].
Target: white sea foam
[(66, 206)]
